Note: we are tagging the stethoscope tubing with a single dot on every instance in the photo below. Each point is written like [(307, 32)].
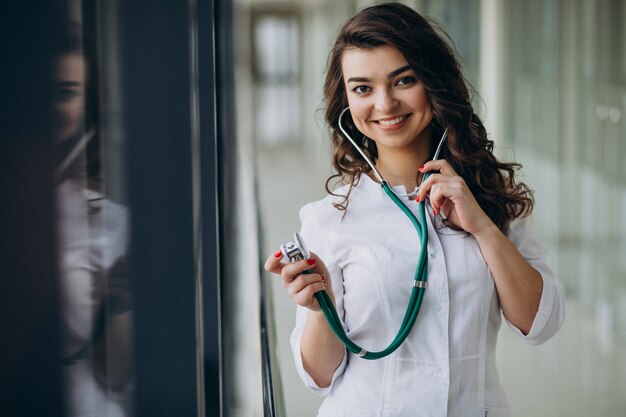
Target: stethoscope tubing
[(421, 271), (415, 301)]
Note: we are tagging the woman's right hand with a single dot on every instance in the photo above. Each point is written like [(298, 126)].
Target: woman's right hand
[(300, 286)]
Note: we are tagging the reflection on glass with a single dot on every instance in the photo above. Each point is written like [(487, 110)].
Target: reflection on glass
[(93, 243)]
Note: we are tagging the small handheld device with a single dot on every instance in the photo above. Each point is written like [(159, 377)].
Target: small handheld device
[(295, 251)]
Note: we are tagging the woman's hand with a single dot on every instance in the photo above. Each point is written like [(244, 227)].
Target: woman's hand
[(450, 195), (300, 286), (519, 285), (321, 350)]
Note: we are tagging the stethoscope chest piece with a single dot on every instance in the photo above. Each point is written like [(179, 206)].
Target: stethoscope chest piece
[(295, 251)]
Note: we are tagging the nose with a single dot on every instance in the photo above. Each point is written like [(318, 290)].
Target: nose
[(385, 101)]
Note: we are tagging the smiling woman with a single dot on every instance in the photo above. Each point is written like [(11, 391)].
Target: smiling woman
[(389, 105), (397, 86)]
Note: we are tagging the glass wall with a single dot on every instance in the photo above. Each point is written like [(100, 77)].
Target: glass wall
[(561, 79), (112, 215)]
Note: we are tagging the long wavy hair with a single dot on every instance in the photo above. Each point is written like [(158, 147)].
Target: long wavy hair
[(467, 147)]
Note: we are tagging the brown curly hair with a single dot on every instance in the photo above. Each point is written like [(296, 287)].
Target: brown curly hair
[(467, 149)]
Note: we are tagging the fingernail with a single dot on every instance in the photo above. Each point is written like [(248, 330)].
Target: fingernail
[(418, 199), (310, 261), (325, 286), (278, 254), (436, 211), (420, 168), (323, 277)]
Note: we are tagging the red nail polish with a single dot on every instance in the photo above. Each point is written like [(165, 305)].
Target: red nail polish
[(278, 254), (420, 168), (310, 261)]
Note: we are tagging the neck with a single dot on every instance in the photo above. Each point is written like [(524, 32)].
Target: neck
[(399, 166)]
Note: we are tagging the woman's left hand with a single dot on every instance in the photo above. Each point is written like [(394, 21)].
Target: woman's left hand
[(450, 196)]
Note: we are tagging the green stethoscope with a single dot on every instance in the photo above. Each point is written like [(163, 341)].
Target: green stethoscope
[(296, 251)]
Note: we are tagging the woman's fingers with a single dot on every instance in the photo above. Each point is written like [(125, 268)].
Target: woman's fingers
[(291, 271), (446, 210), (440, 165), (451, 195), (446, 189), (300, 286), (426, 188), (303, 281), (273, 263), (288, 270), (306, 297)]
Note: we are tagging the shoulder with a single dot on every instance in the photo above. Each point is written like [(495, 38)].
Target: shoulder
[(519, 225), (324, 210)]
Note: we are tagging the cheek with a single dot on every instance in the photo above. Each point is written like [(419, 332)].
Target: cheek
[(70, 111), (423, 108), (429, 113), (424, 102), (76, 107), (359, 114)]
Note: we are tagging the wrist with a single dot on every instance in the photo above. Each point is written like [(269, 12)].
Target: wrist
[(317, 320), (487, 231)]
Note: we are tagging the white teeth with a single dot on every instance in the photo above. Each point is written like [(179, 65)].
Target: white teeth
[(392, 122)]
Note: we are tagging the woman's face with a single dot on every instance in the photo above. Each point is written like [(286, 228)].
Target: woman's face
[(388, 103), (69, 95)]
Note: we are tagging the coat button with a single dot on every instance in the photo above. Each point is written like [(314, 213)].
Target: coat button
[(437, 308), (431, 254)]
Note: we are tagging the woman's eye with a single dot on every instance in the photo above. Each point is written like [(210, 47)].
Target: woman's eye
[(65, 94), (361, 89), (408, 80)]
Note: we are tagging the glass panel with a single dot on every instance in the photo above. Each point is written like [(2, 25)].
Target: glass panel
[(92, 218)]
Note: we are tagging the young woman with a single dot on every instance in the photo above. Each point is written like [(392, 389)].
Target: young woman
[(403, 86)]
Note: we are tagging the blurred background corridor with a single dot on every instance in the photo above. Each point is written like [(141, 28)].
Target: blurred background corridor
[(551, 79), (153, 153)]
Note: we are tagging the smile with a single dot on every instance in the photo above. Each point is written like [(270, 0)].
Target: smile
[(392, 121)]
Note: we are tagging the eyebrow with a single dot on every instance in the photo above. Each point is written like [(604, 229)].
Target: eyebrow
[(390, 75), (68, 84)]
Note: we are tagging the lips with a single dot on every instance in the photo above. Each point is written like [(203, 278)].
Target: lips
[(392, 121)]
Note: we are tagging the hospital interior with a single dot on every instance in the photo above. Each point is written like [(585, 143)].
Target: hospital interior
[(155, 153)]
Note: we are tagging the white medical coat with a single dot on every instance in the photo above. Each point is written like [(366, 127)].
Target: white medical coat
[(93, 234), (447, 365)]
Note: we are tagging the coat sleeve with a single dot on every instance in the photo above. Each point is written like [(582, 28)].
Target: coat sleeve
[(551, 311), (314, 239)]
